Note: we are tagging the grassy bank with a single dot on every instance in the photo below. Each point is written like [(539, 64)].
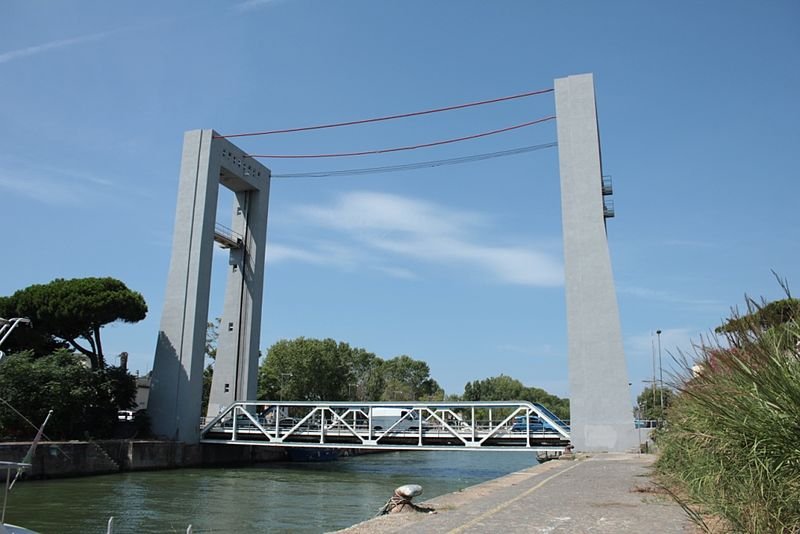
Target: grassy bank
[(732, 439)]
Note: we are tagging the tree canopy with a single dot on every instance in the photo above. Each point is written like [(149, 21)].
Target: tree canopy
[(503, 387), (408, 379), (306, 369), (763, 316), (324, 369), (71, 313), (649, 402)]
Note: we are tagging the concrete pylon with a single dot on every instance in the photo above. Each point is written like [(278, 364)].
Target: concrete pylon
[(601, 416), (177, 381), (236, 366)]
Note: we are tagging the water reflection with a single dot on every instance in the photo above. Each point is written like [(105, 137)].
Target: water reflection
[(275, 497)]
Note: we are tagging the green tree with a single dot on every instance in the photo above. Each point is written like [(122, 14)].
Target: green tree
[(212, 335), (71, 313), (506, 388), (84, 402), (408, 379), (306, 369), (649, 403), (324, 369), (555, 404), (762, 316), (496, 388), (365, 375)]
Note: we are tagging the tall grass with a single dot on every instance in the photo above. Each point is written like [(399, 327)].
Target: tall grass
[(732, 438)]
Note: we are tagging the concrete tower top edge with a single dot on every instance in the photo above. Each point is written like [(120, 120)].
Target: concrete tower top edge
[(238, 171)]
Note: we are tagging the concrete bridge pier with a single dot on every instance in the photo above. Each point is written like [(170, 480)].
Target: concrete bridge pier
[(209, 161), (601, 417)]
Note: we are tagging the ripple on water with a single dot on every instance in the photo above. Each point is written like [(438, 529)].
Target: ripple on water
[(275, 497)]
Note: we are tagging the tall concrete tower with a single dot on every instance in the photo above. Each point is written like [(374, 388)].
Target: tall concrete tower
[(601, 416), (209, 161)]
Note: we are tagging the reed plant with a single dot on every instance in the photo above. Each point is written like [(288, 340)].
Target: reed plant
[(732, 436)]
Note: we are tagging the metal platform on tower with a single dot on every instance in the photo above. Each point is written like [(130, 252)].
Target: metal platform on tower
[(496, 426)]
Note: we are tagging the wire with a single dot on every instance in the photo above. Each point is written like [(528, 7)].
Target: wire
[(418, 165), (402, 148), (388, 117)]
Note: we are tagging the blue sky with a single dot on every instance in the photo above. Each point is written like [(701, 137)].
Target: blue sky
[(460, 266)]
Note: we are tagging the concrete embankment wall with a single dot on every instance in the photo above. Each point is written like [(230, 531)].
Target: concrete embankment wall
[(80, 458)]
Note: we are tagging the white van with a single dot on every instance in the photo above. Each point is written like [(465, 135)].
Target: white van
[(384, 418)]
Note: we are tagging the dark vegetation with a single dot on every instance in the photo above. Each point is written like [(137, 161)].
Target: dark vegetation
[(731, 436), (84, 401), (70, 314), (58, 363), (649, 403)]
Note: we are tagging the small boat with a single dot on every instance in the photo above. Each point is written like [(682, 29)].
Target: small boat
[(312, 454), (10, 479), (11, 468)]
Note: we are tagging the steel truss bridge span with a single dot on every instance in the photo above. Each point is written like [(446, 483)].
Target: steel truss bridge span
[(474, 426)]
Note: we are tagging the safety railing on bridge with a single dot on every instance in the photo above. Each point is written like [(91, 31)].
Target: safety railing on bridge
[(506, 425), (226, 237)]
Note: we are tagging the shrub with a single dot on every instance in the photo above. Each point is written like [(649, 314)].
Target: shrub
[(84, 401), (731, 439)]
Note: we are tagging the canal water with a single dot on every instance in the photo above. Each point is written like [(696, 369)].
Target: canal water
[(274, 497)]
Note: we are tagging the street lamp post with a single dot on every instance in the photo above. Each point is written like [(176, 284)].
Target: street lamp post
[(653, 383), (660, 373)]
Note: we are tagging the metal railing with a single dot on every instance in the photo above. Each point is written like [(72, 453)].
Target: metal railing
[(226, 237), (506, 425)]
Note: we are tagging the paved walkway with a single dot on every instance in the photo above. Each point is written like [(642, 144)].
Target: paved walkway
[(604, 493)]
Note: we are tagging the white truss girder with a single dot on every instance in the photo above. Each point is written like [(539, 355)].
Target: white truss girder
[(496, 425)]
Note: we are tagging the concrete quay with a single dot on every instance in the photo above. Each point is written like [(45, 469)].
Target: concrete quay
[(601, 493), (61, 459)]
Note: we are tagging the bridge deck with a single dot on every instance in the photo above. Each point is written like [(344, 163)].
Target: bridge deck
[(505, 426)]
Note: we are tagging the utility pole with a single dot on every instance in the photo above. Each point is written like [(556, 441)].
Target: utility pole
[(653, 383), (660, 373)]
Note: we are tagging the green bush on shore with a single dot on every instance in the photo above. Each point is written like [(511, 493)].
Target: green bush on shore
[(732, 438)]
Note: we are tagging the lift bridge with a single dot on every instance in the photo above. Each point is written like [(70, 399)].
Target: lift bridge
[(598, 381), (473, 426)]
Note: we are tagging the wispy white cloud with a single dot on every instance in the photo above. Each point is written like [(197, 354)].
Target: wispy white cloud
[(20, 53), (43, 190), (335, 254), (423, 231), (277, 252), (53, 185), (11, 55), (255, 4), (397, 272), (665, 296)]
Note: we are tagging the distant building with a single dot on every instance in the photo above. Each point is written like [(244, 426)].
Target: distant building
[(142, 391)]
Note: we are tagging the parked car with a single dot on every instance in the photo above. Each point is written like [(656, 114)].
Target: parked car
[(125, 415), (385, 418), (242, 421)]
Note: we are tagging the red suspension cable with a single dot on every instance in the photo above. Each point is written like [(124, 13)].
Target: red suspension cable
[(388, 117), (398, 149)]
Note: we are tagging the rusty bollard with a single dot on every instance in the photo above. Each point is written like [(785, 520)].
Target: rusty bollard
[(401, 500)]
